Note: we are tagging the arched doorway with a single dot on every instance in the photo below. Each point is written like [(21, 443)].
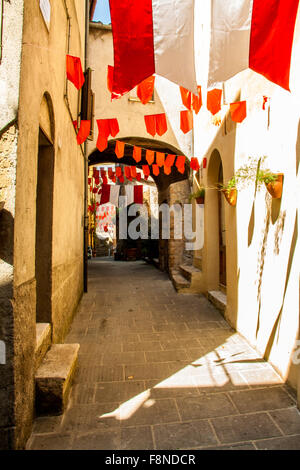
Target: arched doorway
[(216, 227), (44, 213), (163, 182)]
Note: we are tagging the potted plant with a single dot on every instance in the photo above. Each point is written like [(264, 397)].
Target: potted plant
[(230, 191), (273, 182), (199, 195)]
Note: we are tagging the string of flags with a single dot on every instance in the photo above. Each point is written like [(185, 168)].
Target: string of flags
[(155, 123)]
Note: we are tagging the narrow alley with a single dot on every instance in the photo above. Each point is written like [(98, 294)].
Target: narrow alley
[(159, 370)]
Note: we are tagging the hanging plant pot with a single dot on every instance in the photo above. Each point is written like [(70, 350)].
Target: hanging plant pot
[(275, 187), (200, 200), (230, 196)]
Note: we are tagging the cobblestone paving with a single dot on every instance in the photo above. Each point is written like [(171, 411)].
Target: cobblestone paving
[(158, 370)]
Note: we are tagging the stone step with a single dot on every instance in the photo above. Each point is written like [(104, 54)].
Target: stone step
[(218, 299), (188, 271), (180, 283), (43, 342), (54, 377)]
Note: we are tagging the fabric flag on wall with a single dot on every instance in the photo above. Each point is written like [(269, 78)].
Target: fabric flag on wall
[(252, 34), (119, 150), (74, 71), (238, 111), (145, 89), (106, 127), (156, 124), (151, 36), (84, 132), (110, 194), (186, 121), (213, 103)]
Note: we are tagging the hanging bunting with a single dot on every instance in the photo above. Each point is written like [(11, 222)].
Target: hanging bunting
[(138, 194), (155, 169), (127, 172), (119, 171), (110, 194), (170, 160), (84, 132), (156, 124), (180, 163), (238, 111), (145, 90), (265, 101), (186, 97), (137, 153), (119, 149), (133, 172), (160, 159), (204, 162), (74, 71), (138, 176), (75, 124), (150, 155), (106, 127), (197, 101), (194, 164), (214, 100), (186, 121), (146, 170), (167, 169)]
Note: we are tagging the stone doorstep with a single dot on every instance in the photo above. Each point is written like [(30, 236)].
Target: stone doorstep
[(180, 283), (188, 271), (43, 342), (54, 378), (218, 299)]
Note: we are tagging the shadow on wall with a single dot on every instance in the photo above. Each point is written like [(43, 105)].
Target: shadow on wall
[(6, 237)]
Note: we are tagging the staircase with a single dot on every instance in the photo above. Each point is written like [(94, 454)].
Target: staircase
[(55, 365), (186, 279)]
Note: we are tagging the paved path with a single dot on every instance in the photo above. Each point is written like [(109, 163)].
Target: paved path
[(158, 370)]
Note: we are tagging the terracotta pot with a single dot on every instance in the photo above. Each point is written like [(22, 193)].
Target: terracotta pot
[(230, 195), (275, 188), (200, 200)]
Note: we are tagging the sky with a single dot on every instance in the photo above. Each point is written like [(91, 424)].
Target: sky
[(102, 12)]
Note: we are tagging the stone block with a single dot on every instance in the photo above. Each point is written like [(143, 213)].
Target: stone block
[(43, 342), (54, 377)]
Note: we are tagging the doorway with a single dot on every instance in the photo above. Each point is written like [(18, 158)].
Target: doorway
[(222, 234), (44, 228)]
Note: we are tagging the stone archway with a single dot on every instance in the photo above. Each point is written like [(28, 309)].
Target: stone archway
[(171, 188)]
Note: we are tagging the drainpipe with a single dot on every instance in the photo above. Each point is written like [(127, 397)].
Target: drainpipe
[(86, 166)]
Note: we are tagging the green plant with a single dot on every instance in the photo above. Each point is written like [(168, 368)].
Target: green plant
[(231, 184), (200, 193), (265, 176)]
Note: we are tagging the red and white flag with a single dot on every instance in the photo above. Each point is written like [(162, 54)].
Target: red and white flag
[(255, 34), (110, 194), (153, 36)]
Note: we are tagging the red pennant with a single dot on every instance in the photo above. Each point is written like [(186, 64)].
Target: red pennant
[(155, 169), (110, 77), (265, 100), (84, 132), (114, 127), (194, 164), (160, 159), (119, 150), (197, 101), (170, 160), (238, 111), (97, 181), (214, 101), (96, 173), (133, 172), (186, 97), (137, 154), (145, 90), (180, 163), (161, 124), (121, 179), (150, 154), (146, 170), (104, 180), (138, 194), (74, 71), (95, 190), (186, 121), (150, 122), (127, 172), (89, 180), (204, 162), (75, 124), (167, 169), (138, 176), (119, 171)]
